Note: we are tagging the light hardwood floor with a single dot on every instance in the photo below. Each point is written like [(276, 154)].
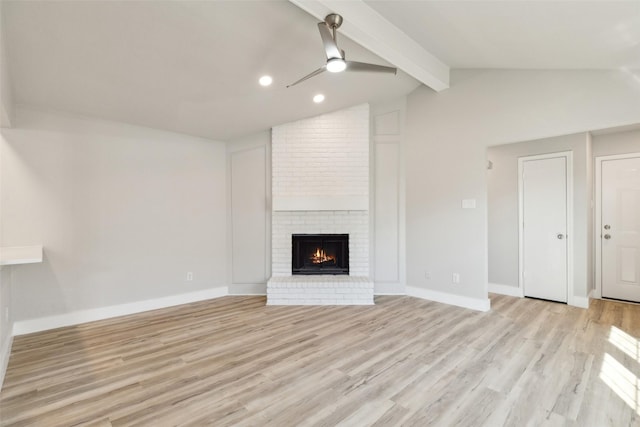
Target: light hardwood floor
[(404, 361)]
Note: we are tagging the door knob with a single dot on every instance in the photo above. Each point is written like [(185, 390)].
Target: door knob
[(607, 227), (560, 236), (607, 236)]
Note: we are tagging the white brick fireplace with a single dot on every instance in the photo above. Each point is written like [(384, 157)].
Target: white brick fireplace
[(320, 185)]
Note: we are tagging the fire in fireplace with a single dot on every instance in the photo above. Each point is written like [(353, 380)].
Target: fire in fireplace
[(320, 254)]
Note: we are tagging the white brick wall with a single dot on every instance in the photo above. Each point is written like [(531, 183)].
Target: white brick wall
[(320, 290), (326, 155), (354, 223), (323, 158)]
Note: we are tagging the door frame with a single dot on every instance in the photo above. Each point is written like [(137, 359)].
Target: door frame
[(597, 223), (568, 155)]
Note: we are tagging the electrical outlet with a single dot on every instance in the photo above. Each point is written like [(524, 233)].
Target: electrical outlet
[(189, 276), (427, 275), (455, 278)]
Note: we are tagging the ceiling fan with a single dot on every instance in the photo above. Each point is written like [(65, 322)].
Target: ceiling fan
[(335, 56)]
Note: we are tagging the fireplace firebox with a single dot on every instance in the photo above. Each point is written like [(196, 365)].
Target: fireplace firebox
[(320, 254)]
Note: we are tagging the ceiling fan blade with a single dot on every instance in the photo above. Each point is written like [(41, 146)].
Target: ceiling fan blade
[(308, 76), (361, 66), (330, 46)]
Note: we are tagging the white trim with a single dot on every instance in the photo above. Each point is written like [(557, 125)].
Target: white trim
[(512, 291), (597, 226), (572, 299), (389, 294), (5, 353), (237, 289), (568, 155), (380, 289), (451, 299), (82, 316), (597, 223)]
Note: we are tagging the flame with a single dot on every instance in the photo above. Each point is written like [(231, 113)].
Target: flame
[(320, 256)]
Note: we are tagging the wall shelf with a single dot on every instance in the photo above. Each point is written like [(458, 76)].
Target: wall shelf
[(20, 255)]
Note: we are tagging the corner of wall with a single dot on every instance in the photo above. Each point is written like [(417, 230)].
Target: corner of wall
[(6, 323), (5, 354), (513, 291), (590, 166)]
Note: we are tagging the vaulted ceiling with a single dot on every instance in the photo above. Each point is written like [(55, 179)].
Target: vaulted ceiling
[(193, 66), (600, 34)]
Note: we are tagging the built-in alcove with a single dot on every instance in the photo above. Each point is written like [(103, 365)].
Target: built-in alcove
[(320, 254)]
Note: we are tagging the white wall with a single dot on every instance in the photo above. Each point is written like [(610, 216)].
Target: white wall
[(387, 189), (123, 212), (502, 207), (320, 184), (447, 136), (6, 96), (249, 202), (6, 323), (249, 166), (616, 142), (502, 183)]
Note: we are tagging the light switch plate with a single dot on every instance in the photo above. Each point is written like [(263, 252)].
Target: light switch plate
[(468, 203)]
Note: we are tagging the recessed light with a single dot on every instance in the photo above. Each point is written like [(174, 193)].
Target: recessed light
[(318, 98), (265, 80)]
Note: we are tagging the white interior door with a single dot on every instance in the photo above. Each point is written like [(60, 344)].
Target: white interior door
[(620, 234), (544, 233)]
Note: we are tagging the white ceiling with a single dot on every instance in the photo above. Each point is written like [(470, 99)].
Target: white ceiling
[(513, 34), (192, 66)]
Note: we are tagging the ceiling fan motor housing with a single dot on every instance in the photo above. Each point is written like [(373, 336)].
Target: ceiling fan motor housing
[(336, 62), (333, 20)]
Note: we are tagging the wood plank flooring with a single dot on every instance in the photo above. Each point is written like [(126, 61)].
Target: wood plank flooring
[(404, 361)]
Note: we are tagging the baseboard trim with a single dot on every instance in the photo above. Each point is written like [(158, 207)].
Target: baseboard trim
[(260, 289), (512, 291), (581, 302), (391, 294), (5, 353), (382, 288), (248, 289), (82, 316), (451, 299)]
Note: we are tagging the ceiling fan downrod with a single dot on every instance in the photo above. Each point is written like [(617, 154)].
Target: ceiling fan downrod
[(334, 21)]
